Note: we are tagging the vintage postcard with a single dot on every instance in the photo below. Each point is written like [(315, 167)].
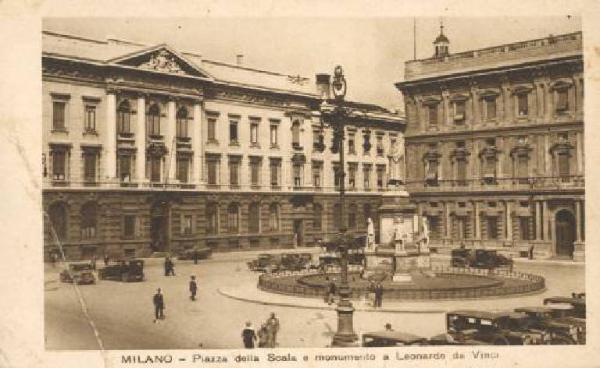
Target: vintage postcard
[(305, 189)]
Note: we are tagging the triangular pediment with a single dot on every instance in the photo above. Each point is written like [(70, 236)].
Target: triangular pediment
[(163, 59)]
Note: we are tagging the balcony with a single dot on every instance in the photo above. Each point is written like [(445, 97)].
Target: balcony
[(499, 184)]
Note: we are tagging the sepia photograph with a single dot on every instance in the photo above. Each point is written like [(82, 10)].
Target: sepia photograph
[(310, 182)]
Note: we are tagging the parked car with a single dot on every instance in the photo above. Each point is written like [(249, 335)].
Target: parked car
[(391, 338), (265, 263), (577, 301), (470, 327), (78, 273), (561, 328), (201, 253), (296, 262), (123, 270), (479, 258)]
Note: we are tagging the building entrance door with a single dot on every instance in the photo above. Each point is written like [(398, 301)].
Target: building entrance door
[(565, 234), (298, 233), (159, 227)]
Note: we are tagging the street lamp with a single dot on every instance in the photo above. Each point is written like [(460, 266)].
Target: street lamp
[(335, 114)]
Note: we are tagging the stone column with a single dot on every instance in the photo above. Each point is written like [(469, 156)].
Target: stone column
[(474, 116), (508, 225), (579, 148), (197, 144), (548, 103), (578, 221), (538, 220), (448, 222), (547, 159), (546, 219), (140, 139), (110, 147), (477, 220), (446, 109), (507, 106), (170, 133)]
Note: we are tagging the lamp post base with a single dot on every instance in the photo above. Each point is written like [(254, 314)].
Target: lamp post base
[(345, 335)]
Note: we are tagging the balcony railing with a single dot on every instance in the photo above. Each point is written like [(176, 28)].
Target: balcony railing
[(500, 184)]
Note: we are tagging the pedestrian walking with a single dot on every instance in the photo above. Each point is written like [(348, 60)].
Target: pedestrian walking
[(531, 252), (378, 295), (193, 287), (195, 256), (263, 336), (248, 336), (331, 290), (93, 262), (159, 305), (106, 259), (371, 293), (169, 267), (272, 330)]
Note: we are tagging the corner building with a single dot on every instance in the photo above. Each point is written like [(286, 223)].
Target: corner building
[(149, 149), (495, 138)]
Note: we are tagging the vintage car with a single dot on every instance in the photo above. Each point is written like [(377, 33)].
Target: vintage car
[(469, 327), (479, 258), (265, 263), (123, 270), (190, 253), (554, 321), (296, 262), (391, 338), (79, 273), (577, 301)]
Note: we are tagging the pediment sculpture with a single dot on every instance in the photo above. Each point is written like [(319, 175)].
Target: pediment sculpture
[(163, 61)]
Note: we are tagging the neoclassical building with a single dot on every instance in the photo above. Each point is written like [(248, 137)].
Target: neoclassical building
[(495, 145), (146, 148)]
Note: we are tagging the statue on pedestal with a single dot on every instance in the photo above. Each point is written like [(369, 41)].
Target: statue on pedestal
[(424, 242), (396, 163), (370, 235)]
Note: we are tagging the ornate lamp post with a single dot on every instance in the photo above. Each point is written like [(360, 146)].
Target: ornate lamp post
[(335, 114)]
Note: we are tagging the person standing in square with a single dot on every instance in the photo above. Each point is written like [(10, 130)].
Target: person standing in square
[(193, 287), (159, 305), (248, 336)]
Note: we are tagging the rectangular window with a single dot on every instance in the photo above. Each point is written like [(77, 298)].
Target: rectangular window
[(233, 132), (90, 119), (275, 166), (124, 121), (352, 177), (524, 228), (155, 169), (562, 100), (433, 114), (316, 175), (380, 177), (234, 170), (367, 178), (492, 227), (186, 225), (254, 133), (459, 112), (274, 135), (183, 164), (522, 105), (129, 226), (212, 168), (255, 172), (490, 107), (563, 165), (351, 145), (523, 166), (212, 129), (337, 176), (297, 169), (316, 141), (125, 168), (58, 115), (461, 172), (379, 145), (89, 167), (182, 127), (59, 165)]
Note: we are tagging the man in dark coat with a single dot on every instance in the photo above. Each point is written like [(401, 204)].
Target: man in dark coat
[(331, 292), (193, 288), (159, 305), (272, 330), (248, 336), (378, 295)]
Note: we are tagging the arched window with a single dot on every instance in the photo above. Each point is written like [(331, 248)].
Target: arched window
[(254, 218), (317, 217), (337, 216), (89, 220), (58, 220), (212, 218), (182, 123), (233, 218), (124, 118), (296, 133), (274, 217), (153, 120), (352, 216)]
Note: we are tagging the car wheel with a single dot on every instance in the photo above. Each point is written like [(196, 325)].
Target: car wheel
[(501, 340)]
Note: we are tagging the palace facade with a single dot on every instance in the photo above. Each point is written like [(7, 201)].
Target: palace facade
[(149, 149), (495, 145)]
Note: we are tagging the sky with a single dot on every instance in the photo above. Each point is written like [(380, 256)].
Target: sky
[(371, 50)]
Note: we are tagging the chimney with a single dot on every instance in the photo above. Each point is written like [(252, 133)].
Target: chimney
[(239, 59)]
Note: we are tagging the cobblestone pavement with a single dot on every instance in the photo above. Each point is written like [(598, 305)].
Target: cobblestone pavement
[(123, 312)]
